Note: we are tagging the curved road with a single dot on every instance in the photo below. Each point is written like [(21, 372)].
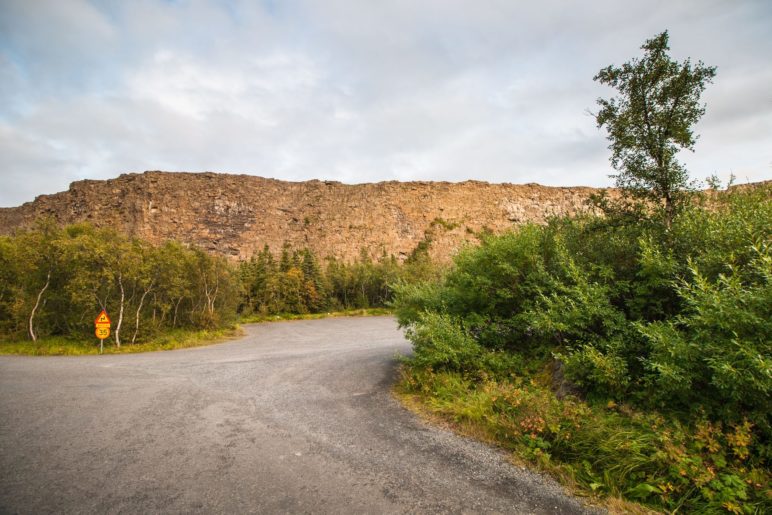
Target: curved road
[(296, 417)]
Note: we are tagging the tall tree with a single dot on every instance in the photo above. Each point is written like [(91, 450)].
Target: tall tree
[(174, 263), (315, 291), (651, 120), (40, 256), (286, 257), (9, 282), (145, 280)]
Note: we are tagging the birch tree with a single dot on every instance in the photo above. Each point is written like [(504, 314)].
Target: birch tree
[(651, 120)]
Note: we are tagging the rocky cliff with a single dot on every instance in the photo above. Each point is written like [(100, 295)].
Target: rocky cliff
[(236, 215)]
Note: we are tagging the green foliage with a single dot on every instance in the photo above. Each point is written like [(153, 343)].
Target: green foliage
[(412, 299), (299, 284), (439, 343), (675, 321), (606, 448), (54, 281), (717, 354), (171, 339), (652, 120), (58, 279)]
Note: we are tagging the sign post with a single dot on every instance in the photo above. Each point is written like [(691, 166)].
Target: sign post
[(102, 325)]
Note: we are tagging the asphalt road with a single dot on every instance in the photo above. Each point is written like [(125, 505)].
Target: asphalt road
[(296, 417)]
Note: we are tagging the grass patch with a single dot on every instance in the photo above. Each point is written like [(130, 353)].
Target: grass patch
[(613, 453), (369, 312), (170, 340)]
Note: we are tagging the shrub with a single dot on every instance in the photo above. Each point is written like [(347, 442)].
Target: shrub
[(674, 320), (605, 447), (441, 344), (717, 354)]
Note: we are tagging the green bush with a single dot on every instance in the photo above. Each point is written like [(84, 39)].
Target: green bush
[(61, 278), (717, 354), (441, 344), (607, 448), (670, 319), (415, 299), (675, 320), (298, 284)]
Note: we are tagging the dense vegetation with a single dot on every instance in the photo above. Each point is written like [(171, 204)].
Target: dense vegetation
[(630, 353), (298, 283), (634, 357), (54, 281)]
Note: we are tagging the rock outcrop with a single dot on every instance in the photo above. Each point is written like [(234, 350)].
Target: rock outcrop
[(236, 215)]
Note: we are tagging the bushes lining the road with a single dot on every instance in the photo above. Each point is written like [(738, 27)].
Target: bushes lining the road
[(297, 283), (54, 281), (671, 323)]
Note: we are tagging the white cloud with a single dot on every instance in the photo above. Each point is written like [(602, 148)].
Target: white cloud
[(356, 91)]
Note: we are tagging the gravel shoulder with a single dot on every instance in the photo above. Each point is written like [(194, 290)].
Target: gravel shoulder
[(296, 417)]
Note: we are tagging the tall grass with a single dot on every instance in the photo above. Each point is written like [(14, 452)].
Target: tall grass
[(609, 450)]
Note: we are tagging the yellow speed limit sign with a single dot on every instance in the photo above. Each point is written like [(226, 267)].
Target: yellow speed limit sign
[(102, 332)]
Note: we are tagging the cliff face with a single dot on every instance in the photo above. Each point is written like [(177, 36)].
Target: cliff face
[(236, 215)]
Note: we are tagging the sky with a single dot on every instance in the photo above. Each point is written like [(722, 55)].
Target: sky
[(358, 90)]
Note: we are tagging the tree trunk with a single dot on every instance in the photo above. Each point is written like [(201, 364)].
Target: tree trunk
[(120, 313), (139, 308), (35, 308), (211, 296), (176, 307)]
